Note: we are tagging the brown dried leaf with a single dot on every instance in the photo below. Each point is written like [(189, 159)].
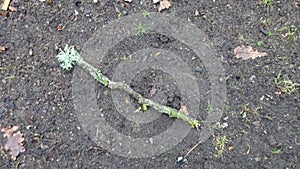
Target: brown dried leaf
[(183, 109), (9, 131), (230, 148), (247, 52), (14, 142), (4, 13), (164, 4)]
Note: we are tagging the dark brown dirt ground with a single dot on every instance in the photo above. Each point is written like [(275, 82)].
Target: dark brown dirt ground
[(35, 93)]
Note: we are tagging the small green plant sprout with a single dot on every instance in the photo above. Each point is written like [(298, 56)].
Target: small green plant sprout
[(276, 151), (267, 4), (285, 85), (69, 57), (173, 11), (266, 22), (270, 33), (208, 108), (141, 30), (220, 143), (12, 77), (145, 13), (259, 43), (289, 32), (145, 107)]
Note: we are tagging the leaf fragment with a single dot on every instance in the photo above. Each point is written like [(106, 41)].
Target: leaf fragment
[(4, 13), (164, 4), (247, 52), (14, 142)]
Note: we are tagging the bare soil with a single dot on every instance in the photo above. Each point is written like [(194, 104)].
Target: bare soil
[(35, 93)]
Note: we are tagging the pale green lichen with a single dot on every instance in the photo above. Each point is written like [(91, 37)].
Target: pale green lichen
[(68, 57)]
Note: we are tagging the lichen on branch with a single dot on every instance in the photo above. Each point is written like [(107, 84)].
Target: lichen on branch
[(69, 57)]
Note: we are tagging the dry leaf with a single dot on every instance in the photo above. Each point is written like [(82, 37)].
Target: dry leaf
[(164, 4), (4, 13), (14, 142), (183, 109), (247, 52), (230, 148)]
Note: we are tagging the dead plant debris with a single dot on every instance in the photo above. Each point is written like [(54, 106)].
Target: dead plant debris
[(163, 4), (247, 52), (14, 142)]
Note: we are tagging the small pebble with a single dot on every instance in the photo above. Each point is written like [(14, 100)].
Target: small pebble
[(1, 113), (181, 161), (256, 124), (155, 45), (30, 52), (198, 69), (77, 3), (11, 105), (252, 78), (271, 140)]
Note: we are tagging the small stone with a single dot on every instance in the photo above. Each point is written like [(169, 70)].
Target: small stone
[(198, 69), (252, 78), (49, 2), (30, 52), (181, 161), (1, 113), (86, 11), (77, 3), (11, 105), (256, 124), (197, 13), (257, 159), (271, 140), (155, 45), (224, 125)]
